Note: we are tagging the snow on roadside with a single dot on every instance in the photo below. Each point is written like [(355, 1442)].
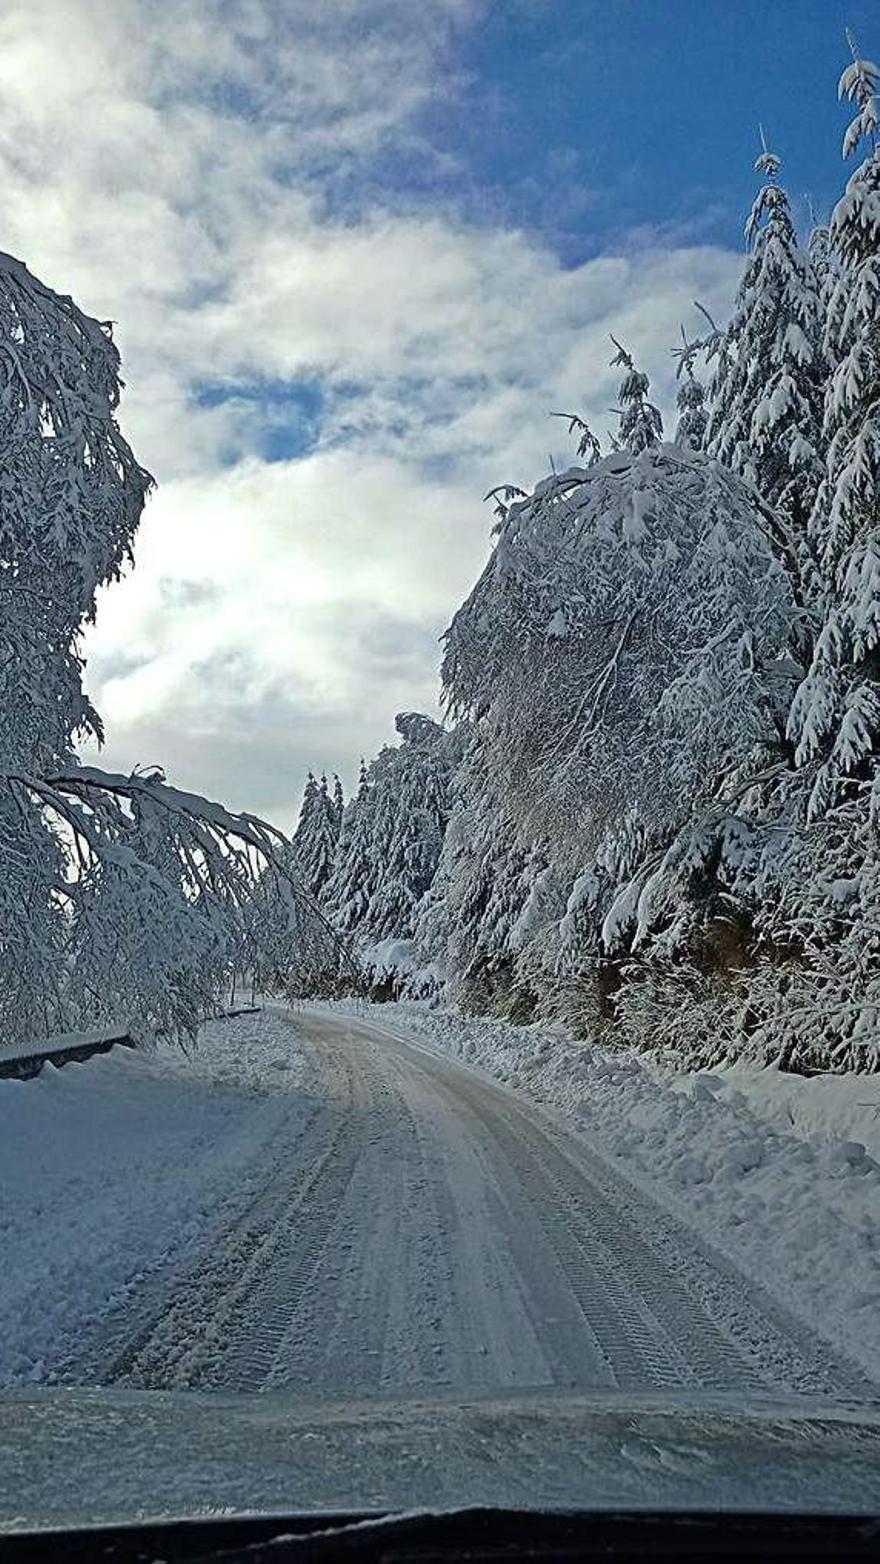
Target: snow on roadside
[(824, 1108), (122, 1163), (779, 1172)]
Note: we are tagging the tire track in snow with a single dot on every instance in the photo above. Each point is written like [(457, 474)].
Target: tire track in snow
[(426, 1227), (176, 1329), (665, 1308)]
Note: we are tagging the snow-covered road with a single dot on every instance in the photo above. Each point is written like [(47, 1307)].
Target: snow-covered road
[(404, 1221)]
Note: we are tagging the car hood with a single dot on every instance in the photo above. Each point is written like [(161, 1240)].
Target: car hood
[(70, 1457)]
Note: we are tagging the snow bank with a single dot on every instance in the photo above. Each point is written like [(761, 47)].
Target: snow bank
[(63, 1042), (119, 1165), (823, 1108), (35, 1050), (780, 1172), (396, 963)]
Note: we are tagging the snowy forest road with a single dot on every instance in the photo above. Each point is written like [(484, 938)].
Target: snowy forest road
[(423, 1226)]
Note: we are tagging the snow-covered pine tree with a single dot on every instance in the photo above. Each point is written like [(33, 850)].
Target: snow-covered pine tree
[(317, 834), (465, 934), (338, 804), (835, 716), (307, 810), (823, 262), (419, 810), (640, 423), (392, 834), (348, 890), (690, 399), (116, 892), (766, 396)]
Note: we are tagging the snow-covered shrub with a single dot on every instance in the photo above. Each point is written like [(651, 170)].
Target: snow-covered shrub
[(818, 1001), (696, 1019)]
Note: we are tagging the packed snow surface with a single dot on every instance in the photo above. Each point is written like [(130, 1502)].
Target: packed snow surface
[(318, 1202), (781, 1172), (122, 1167)]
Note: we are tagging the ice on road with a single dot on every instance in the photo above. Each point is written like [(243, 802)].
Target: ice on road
[(402, 1221)]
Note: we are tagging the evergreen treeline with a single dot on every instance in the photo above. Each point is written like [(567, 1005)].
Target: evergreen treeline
[(656, 811)]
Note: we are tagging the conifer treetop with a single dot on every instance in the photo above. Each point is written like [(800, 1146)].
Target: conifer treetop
[(641, 425), (858, 83)]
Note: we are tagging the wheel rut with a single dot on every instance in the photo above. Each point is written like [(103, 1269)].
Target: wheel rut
[(421, 1226), (665, 1309)]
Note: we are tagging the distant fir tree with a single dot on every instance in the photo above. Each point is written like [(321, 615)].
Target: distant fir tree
[(316, 835), (836, 712), (766, 413), (470, 924), (348, 889), (392, 834), (417, 809), (338, 804)]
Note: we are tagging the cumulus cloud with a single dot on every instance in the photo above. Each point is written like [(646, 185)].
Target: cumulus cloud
[(324, 375)]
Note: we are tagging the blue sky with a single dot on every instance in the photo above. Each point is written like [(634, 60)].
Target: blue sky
[(357, 251), (601, 126), (591, 120)]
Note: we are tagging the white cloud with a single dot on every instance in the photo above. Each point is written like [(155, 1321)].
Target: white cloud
[(192, 172)]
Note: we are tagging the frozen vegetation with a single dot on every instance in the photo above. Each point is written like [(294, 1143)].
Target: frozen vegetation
[(653, 814), (634, 876), (119, 895), (651, 811)]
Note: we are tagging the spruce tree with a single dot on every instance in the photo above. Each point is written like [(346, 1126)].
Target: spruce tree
[(690, 399), (392, 834), (640, 423), (417, 808), (823, 262), (338, 805), (316, 835), (836, 711), (348, 890), (766, 418)]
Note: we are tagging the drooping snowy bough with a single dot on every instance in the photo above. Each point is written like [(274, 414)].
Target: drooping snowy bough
[(117, 894), (624, 653), (625, 643)]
